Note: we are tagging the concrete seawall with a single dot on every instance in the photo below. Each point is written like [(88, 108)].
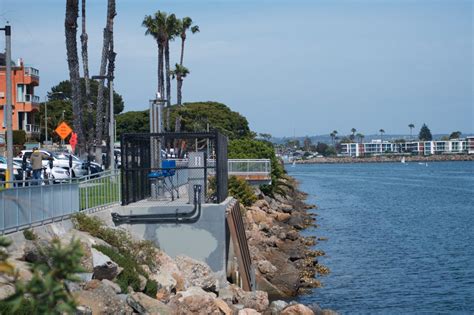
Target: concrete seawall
[(387, 159)]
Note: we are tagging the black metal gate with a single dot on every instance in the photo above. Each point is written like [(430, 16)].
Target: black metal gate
[(145, 153)]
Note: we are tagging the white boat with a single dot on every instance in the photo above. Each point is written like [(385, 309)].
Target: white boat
[(403, 160), (294, 164)]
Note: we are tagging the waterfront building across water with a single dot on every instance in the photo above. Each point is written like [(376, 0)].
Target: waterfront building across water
[(379, 147)]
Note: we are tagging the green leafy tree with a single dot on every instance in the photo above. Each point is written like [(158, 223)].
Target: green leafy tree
[(62, 91), (425, 133), (196, 117), (455, 135), (135, 121), (46, 292), (59, 101), (265, 136)]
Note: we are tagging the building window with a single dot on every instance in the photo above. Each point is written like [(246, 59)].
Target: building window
[(20, 93)]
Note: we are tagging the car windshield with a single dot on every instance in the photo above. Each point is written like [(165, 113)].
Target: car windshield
[(3, 160)]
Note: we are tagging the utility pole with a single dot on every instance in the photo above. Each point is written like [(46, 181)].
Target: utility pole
[(8, 105)]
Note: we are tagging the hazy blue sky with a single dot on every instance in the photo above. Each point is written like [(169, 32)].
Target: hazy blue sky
[(289, 66)]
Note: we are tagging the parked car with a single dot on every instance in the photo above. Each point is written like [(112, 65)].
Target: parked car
[(60, 160), (17, 171), (94, 168)]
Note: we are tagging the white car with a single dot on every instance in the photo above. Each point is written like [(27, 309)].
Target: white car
[(78, 167), (57, 174), (17, 171)]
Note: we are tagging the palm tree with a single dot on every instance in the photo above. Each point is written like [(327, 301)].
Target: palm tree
[(179, 73), (352, 136), (411, 126), (70, 25), (333, 135), (360, 137), (171, 31), (381, 133), (100, 110), (89, 120), (185, 24), (156, 26)]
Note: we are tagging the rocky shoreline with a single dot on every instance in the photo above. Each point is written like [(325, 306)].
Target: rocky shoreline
[(388, 159), (124, 275)]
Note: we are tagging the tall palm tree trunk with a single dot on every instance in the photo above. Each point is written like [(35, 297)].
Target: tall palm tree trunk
[(168, 84), (89, 121), (182, 51), (103, 63), (70, 25), (110, 73), (179, 83), (161, 77), (168, 73)]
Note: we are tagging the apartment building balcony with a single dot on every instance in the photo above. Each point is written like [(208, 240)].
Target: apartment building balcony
[(31, 76), (29, 128), (29, 98)]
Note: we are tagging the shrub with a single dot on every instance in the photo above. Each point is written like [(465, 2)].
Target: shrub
[(46, 292), (19, 137), (131, 271), (142, 251), (241, 190), (29, 235)]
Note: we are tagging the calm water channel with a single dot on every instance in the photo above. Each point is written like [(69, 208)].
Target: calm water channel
[(400, 237)]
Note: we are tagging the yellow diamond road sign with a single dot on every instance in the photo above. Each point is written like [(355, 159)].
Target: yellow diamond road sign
[(63, 130)]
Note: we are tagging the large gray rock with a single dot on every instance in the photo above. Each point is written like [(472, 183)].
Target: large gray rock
[(257, 300), (297, 309), (144, 304), (113, 285), (194, 304), (197, 273), (276, 307), (102, 300), (248, 311), (164, 280), (104, 267), (33, 251)]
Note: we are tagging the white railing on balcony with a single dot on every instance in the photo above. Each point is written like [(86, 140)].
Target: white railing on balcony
[(32, 71), (32, 128), (249, 166), (29, 98)]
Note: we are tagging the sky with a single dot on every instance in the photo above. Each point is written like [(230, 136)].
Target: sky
[(292, 67)]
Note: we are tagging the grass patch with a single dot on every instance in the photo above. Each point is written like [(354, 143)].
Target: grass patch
[(142, 251), (99, 192), (126, 252)]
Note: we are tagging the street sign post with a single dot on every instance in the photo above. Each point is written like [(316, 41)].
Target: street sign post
[(63, 130)]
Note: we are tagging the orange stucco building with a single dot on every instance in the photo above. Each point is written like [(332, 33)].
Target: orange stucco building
[(25, 102)]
